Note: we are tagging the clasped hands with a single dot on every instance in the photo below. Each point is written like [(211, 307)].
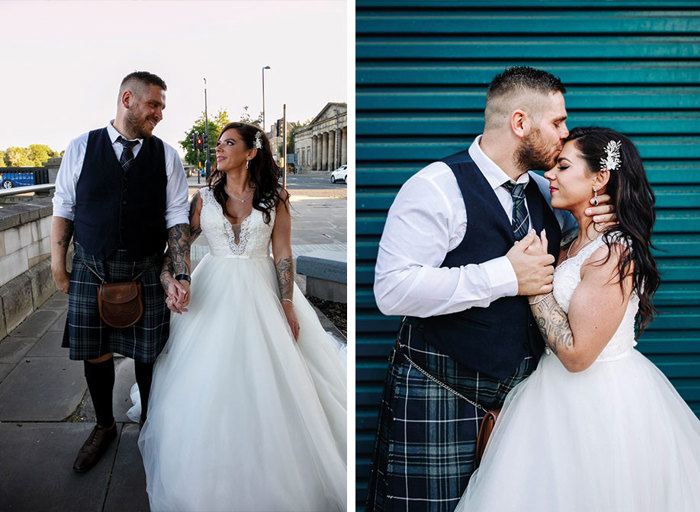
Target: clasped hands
[(177, 293)]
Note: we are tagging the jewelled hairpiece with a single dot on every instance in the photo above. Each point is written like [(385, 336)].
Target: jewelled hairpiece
[(258, 140), (612, 161)]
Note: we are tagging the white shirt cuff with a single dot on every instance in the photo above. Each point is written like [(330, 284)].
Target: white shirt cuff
[(501, 275)]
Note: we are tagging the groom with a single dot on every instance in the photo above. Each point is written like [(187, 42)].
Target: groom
[(121, 194), (449, 264)]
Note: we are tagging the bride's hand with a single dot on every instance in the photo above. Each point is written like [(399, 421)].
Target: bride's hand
[(538, 245), (291, 318)]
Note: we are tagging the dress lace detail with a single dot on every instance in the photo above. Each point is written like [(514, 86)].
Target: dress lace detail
[(567, 276), (253, 241)]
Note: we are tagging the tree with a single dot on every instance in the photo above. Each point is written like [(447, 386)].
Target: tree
[(257, 121), (40, 153), (17, 157), (2, 159), (198, 126), (292, 128), (221, 119)]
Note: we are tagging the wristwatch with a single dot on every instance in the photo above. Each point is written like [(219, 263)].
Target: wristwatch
[(183, 277)]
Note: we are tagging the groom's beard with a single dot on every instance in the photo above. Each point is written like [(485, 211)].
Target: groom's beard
[(535, 154)]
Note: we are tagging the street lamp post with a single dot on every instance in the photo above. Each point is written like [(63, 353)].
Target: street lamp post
[(207, 164), (264, 127)]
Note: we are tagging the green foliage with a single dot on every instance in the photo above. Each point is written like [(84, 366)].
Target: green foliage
[(292, 128), (40, 153), (245, 118), (33, 156), (17, 157), (221, 119)]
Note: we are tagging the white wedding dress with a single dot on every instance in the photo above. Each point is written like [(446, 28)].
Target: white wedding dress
[(242, 417), (615, 437)]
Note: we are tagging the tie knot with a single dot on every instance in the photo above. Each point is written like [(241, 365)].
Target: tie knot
[(515, 189), (128, 144)]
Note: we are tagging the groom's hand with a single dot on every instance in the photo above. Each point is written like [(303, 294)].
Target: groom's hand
[(533, 271)]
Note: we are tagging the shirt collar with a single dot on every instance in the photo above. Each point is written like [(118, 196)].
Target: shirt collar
[(114, 134), (491, 171)]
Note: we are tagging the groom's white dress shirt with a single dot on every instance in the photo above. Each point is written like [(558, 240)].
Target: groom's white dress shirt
[(426, 221)]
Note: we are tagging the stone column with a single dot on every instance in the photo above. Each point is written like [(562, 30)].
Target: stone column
[(314, 151), (331, 151), (344, 146), (324, 152)]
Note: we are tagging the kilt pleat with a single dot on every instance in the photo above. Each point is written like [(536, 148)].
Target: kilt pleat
[(426, 438), (88, 336)]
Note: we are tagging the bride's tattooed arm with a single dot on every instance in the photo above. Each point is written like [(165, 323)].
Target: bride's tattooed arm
[(285, 277), (553, 324)]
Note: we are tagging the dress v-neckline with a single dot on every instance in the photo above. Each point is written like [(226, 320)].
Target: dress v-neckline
[(232, 226)]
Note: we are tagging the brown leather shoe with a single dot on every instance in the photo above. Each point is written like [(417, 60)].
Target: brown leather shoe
[(96, 444)]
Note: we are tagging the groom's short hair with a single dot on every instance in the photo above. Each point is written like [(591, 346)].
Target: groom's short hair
[(138, 81), (518, 87)]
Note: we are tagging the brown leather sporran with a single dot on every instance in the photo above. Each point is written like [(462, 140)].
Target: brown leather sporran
[(485, 429), (120, 304)]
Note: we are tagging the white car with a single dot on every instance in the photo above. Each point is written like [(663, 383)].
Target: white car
[(341, 173)]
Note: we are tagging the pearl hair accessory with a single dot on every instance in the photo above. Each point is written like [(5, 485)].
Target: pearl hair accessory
[(612, 161), (258, 140)]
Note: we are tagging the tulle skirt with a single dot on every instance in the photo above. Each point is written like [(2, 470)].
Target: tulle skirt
[(616, 437), (242, 417)]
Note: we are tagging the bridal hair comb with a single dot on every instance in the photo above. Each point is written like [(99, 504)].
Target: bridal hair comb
[(612, 161), (258, 140)]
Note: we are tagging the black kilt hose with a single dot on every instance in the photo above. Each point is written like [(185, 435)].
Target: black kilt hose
[(424, 452), (88, 336)]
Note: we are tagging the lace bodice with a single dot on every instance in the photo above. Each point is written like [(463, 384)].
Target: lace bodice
[(253, 240), (567, 277)]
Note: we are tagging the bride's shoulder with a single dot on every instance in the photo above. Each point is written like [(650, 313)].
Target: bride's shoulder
[(608, 249), (204, 193)]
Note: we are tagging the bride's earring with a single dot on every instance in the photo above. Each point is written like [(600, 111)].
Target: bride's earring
[(248, 161), (595, 195)]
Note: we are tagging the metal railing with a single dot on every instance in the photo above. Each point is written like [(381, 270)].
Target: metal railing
[(26, 190)]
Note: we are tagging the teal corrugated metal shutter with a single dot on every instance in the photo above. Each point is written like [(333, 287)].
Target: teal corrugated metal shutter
[(422, 72)]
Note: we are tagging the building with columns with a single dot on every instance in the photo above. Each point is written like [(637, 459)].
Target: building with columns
[(322, 145)]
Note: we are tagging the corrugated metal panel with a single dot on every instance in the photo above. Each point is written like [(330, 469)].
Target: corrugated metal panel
[(422, 72)]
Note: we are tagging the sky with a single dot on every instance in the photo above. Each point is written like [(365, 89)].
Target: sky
[(63, 62)]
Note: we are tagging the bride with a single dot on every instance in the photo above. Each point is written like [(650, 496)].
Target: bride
[(248, 405), (597, 426)]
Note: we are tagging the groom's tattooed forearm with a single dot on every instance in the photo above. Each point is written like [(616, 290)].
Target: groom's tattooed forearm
[(194, 231), (179, 248), (553, 324), (166, 271), (285, 277), (65, 237)]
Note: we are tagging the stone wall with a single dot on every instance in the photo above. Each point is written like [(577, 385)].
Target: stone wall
[(26, 281)]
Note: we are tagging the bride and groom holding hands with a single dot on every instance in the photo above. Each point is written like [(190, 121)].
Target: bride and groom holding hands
[(527, 293), (243, 394)]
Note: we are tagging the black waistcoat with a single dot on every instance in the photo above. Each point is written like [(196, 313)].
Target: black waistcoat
[(121, 210), (495, 339)]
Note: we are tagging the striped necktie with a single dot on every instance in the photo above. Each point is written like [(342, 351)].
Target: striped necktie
[(521, 218), (127, 153)]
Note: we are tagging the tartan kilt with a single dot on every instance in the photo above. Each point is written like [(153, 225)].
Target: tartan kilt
[(426, 439), (88, 336)]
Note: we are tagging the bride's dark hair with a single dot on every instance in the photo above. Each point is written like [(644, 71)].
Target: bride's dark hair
[(633, 199), (263, 172)]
